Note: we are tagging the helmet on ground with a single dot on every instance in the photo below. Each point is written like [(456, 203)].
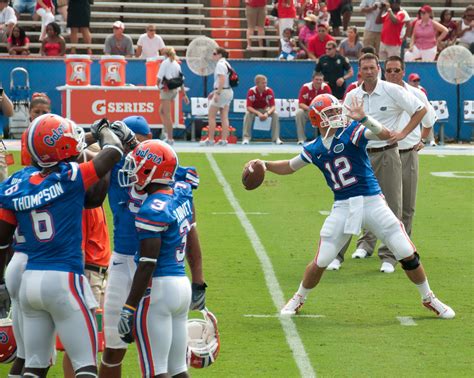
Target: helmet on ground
[(52, 138), (203, 340), (7, 341), (152, 161), (325, 111)]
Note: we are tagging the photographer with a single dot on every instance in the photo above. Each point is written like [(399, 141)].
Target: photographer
[(6, 109), (393, 18)]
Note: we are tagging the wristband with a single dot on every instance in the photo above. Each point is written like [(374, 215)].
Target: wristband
[(128, 307)]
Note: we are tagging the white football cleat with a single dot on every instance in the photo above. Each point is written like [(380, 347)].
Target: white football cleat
[(278, 141), (334, 265), (245, 141), (360, 254), (293, 306), (300, 142), (439, 308), (387, 268)]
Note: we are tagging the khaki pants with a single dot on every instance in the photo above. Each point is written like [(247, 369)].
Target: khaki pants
[(387, 50), (301, 118), (372, 39), (97, 282), (409, 161), (250, 118)]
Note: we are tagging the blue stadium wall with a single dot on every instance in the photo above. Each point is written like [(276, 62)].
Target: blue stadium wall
[(284, 77)]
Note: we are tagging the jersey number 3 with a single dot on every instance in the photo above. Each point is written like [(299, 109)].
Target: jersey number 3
[(342, 167)]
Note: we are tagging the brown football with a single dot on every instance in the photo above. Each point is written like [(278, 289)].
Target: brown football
[(253, 175)]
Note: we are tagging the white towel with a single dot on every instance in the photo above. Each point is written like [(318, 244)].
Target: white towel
[(353, 223)]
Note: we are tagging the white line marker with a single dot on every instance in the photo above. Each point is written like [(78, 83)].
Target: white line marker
[(324, 212), (291, 333), (278, 315), (441, 156), (406, 321), (234, 213)]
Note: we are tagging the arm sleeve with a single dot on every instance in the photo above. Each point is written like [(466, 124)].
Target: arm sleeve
[(8, 216), (271, 102), (88, 173), (306, 155), (249, 94), (140, 41), (301, 99), (358, 136), (297, 163), (405, 100)]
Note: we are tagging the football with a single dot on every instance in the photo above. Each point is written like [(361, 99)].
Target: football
[(253, 175)]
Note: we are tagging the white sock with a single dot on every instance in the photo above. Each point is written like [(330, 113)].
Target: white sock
[(303, 291), (424, 289)]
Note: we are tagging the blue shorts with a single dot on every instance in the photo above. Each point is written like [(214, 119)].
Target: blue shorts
[(24, 6)]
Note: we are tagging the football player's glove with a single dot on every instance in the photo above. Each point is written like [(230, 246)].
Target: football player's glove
[(125, 135), (98, 126), (4, 301), (198, 299), (125, 325)]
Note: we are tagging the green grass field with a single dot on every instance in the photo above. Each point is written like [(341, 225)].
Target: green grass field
[(359, 334)]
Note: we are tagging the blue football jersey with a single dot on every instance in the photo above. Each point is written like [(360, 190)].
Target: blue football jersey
[(168, 216), (126, 202), (48, 211), (346, 164)]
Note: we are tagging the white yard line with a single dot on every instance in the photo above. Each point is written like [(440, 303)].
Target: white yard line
[(289, 327), (324, 212), (234, 213), (406, 321), (277, 316)]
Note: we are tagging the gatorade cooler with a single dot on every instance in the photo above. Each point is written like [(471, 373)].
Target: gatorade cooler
[(152, 68), (100, 333), (112, 70), (78, 70)]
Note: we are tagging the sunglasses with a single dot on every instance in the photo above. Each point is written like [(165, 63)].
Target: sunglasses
[(329, 48), (214, 53), (416, 80), (393, 70)]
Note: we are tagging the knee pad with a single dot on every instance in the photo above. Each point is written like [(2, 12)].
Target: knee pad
[(411, 264)]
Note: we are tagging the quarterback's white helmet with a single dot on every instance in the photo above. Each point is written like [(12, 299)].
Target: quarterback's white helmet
[(203, 340)]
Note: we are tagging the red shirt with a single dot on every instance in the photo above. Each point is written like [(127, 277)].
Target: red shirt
[(260, 100), (95, 237), (256, 3), (351, 86), (308, 92), (333, 4), (286, 9), (318, 47), (311, 7), (391, 33), (47, 3)]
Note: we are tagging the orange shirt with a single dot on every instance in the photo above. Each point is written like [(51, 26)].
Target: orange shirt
[(95, 237), (25, 154)]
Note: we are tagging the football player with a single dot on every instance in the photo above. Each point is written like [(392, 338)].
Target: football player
[(125, 203), (155, 312), (46, 205), (341, 156)]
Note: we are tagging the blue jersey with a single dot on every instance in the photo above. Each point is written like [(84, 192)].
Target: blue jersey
[(345, 165), (168, 216), (126, 202), (48, 211)]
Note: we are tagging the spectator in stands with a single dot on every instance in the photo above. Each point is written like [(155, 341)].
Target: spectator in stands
[(393, 19), (53, 44), (287, 45), (149, 44), (286, 15), (446, 19), (24, 7), (317, 44), (45, 10), (307, 93), (220, 98), (78, 19), (261, 104), (336, 69), (61, 8), (7, 20), (324, 17), (18, 43), (169, 69), (353, 85), (307, 8), (255, 12), (371, 29), (466, 29), (338, 9), (423, 42), (119, 43), (351, 47), (6, 110), (305, 34)]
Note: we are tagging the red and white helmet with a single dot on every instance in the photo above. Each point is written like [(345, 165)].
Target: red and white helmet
[(325, 111), (52, 138), (152, 161), (7, 341), (203, 340)]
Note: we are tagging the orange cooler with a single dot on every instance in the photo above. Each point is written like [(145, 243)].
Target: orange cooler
[(152, 68), (112, 70), (78, 70)]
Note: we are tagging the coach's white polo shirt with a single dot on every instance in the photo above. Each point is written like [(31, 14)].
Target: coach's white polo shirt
[(428, 120), (386, 104)]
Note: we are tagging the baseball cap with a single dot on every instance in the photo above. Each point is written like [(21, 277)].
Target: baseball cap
[(414, 76), (323, 24), (138, 125), (426, 8), (311, 18), (119, 25)]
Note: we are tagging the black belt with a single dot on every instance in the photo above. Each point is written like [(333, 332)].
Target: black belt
[(407, 149), (385, 148), (96, 268)]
